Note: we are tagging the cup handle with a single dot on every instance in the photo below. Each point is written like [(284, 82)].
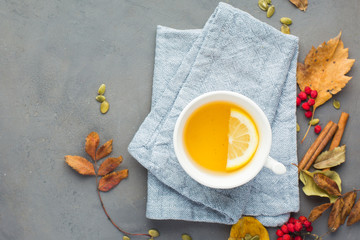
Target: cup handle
[(275, 166)]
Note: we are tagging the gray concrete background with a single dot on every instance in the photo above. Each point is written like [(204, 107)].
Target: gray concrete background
[(53, 57)]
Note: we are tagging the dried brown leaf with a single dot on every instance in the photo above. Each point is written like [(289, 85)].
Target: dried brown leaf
[(327, 184), (332, 158), (109, 165), (318, 211), (300, 4), (334, 221), (324, 69), (91, 144), (354, 214), (80, 164), (109, 181), (104, 150), (349, 201)]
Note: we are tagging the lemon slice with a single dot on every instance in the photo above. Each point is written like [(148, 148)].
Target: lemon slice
[(243, 140)]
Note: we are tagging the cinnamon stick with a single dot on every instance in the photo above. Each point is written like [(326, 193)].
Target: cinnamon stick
[(315, 145), (322, 145), (339, 133)]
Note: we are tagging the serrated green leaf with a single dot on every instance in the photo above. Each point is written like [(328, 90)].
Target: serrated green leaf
[(310, 188), (331, 158)]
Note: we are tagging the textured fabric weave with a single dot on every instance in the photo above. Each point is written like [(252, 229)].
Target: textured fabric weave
[(236, 52)]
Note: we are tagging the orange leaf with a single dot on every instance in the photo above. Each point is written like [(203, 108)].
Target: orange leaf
[(300, 4), (104, 150), (80, 164), (109, 165), (324, 69), (109, 181), (91, 144)]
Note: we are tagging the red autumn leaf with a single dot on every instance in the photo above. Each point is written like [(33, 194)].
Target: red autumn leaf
[(109, 181), (104, 150), (109, 165), (91, 144), (80, 164)]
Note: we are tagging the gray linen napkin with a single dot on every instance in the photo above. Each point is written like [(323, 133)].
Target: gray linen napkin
[(236, 52)]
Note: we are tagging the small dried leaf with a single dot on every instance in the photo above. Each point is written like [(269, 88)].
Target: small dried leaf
[(349, 201), (91, 144), (104, 150), (248, 225), (335, 215), (300, 4), (354, 214), (326, 184), (109, 181), (311, 189), (80, 164), (328, 159), (109, 165), (318, 211)]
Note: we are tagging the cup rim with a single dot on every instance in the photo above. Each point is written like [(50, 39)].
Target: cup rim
[(216, 179)]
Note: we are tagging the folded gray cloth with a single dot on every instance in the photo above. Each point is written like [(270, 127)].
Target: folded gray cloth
[(236, 52)]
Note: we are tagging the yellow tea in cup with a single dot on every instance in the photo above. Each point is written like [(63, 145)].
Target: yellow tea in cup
[(220, 136)]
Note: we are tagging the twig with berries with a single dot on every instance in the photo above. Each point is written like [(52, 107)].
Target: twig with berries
[(308, 95), (296, 229)]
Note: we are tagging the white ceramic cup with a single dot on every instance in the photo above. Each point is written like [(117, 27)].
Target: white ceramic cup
[(239, 177)]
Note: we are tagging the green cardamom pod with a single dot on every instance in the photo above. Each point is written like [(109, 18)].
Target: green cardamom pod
[(263, 5), (286, 20), (100, 98), (268, 2), (297, 127), (154, 233), (247, 236), (314, 121), (270, 11), (104, 107), (336, 104), (101, 90), (185, 237), (126, 238), (285, 29)]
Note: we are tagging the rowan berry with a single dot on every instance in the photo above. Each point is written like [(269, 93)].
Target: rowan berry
[(305, 106), (308, 114), (317, 129), (307, 223), (279, 238), (298, 226), (286, 237), (291, 220), (298, 101), (313, 93), (307, 90), (298, 238), (302, 96), (279, 233), (302, 219), (284, 229), (309, 229), (311, 102), (290, 227)]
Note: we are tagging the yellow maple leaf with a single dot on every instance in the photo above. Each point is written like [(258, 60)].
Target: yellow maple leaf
[(248, 225), (324, 69)]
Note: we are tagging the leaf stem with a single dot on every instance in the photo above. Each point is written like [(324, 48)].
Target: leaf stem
[(307, 131), (106, 213)]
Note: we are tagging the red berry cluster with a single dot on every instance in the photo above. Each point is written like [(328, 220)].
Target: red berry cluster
[(303, 96), (293, 228)]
